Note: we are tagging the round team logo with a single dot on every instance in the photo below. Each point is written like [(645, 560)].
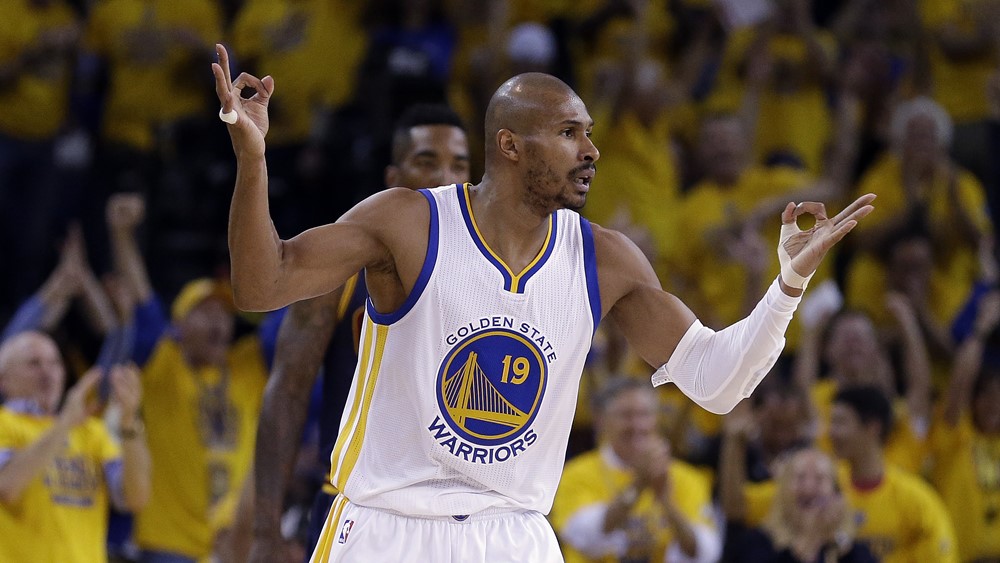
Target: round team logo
[(491, 385)]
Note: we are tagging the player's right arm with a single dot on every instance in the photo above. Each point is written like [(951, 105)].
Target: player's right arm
[(268, 272), (302, 341)]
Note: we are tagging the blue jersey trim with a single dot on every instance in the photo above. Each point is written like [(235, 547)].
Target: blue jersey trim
[(425, 273), (590, 267), (541, 260), (512, 282)]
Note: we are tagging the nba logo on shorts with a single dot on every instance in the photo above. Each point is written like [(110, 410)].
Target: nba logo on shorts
[(344, 530)]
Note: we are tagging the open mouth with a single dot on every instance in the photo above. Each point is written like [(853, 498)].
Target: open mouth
[(584, 177)]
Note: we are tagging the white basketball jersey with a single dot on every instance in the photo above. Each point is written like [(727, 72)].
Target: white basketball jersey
[(464, 397)]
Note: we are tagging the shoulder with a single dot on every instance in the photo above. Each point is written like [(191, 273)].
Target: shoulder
[(621, 265)]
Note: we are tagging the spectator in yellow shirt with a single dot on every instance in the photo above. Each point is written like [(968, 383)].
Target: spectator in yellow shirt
[(629, 500), (60, 469), (898, 515), (965, 439)]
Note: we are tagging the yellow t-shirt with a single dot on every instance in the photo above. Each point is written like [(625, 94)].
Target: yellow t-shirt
[(716, 285), (959, 86), (63, 514), (966, 471), (34, 107), (902, 519), (201, 428), (588, 479), (637, 176), (157, 86), (286, 39), (794, 116), (904, 448), (954, 273)]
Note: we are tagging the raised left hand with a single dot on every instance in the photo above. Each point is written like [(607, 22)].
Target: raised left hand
[(806, 249)]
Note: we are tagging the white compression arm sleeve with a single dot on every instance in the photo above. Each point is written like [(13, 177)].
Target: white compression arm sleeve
[(717, 370)]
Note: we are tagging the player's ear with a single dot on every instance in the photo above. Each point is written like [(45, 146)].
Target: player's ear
[(507, 144), (391, 176)]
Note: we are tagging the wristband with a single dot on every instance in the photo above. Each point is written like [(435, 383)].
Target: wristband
[(788, 274), (230, 117)]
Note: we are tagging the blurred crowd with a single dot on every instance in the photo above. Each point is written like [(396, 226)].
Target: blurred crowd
[(876, 436)]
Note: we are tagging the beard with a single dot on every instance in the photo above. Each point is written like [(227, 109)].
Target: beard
[(547, 189)]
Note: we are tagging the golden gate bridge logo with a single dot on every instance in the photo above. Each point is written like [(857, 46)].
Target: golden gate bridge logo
[(491, 385)]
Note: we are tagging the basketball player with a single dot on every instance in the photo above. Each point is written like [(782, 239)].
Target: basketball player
[(429, 148), (483, 300)]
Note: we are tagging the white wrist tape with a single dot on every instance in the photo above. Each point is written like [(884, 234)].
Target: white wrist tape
[(229, 117), (788, 274), (717, 370)]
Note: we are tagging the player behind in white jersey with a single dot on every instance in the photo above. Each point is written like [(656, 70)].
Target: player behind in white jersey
[(482, 303)]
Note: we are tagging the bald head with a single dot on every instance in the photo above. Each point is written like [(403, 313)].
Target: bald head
[(519, 103), (31, 368)]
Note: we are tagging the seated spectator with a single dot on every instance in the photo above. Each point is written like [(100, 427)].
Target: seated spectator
[(809, 520), (628, 500), (59, 467)]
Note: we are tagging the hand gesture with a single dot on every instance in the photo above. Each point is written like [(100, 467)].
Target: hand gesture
[(125, 212), (126, 389), (251, 124), (651, 467), (80, 402), (802, 251)]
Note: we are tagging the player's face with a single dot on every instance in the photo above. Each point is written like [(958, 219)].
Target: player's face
[(560, 157), (437, 155), (35, 371), (206, 332), (629, 423)]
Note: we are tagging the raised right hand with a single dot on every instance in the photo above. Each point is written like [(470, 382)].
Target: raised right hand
[(125, 211), (250, 128)]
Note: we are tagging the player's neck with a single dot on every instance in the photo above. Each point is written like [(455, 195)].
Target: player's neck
[(508, 225)]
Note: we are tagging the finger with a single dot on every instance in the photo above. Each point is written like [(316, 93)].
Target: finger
[(814, 208), (268, 82), (858, 203), (788, 216), (223, 55), (857, 214), (222, 88), (87, 382), (245, 79)]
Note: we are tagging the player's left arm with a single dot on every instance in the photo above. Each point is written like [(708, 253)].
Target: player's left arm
[(716, 369)]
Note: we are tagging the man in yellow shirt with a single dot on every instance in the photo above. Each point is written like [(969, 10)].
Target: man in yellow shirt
[(628, 499), (203, 393), (60, 467), (965, 440), (898, 515)]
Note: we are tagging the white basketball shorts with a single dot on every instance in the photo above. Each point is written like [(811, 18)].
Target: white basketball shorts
[(357, 534)]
